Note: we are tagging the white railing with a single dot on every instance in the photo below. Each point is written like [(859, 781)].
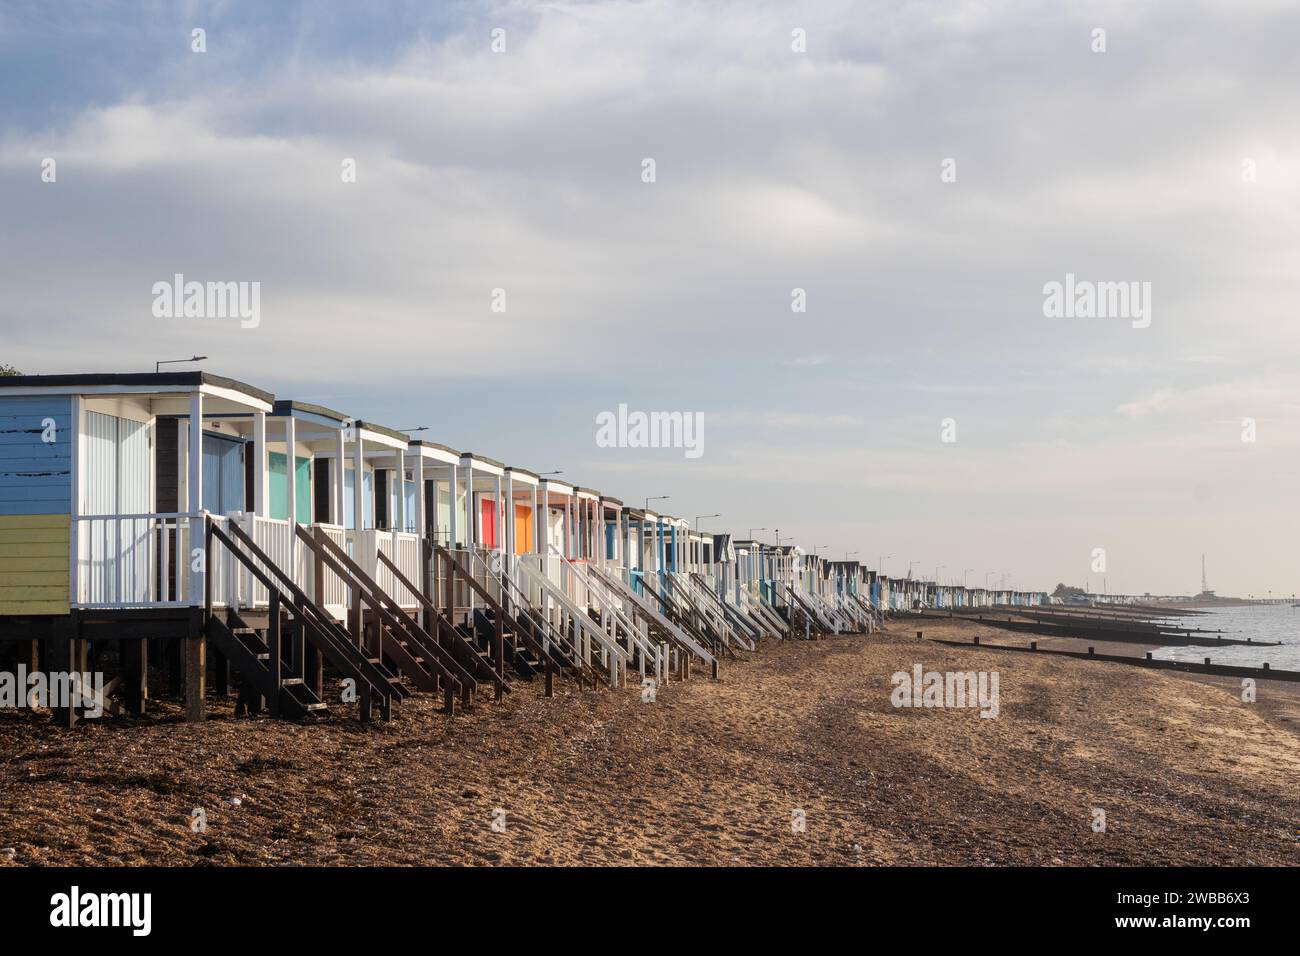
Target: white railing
[(333, 594), (569, 575), (529, 585), (400, 547), (139, 560), (275, 537), (618, 617), (143, 560), (647, 608), (590, 640), (223, 570)]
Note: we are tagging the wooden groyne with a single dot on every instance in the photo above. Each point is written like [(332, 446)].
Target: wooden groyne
[(1207, 667), (1132, 632)]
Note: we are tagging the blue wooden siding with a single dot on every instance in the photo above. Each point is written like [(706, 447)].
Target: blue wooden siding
[(408, 506), (367, 495), (35, 503), (35, 475)]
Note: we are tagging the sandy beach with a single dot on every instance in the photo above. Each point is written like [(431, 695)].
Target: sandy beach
[(709, 773)]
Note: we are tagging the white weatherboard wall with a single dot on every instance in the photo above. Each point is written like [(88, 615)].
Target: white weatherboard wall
[(114, 556), (555, 531), (118, 477)]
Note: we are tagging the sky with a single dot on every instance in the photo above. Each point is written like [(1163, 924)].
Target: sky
[(921, 171)]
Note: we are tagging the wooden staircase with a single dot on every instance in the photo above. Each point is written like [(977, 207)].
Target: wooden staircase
[(662, 619), (442, 632), (250, 655), (677, 607), (584, 639), (741, 626), (392, 633), (506, 631), (271, 661), (803, 619)]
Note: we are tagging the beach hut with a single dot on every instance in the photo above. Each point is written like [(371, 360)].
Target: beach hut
[(135, 503), (380, 509)]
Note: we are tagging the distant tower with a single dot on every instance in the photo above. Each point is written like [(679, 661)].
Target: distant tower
[(1204, 586)]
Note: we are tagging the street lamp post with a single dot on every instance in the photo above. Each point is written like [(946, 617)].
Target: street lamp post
[(699, 518), (157, 366)]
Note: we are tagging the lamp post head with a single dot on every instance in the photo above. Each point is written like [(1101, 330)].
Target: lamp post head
[(157, 366)]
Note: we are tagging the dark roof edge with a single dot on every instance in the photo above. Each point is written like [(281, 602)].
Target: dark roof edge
[(288, 405), (383, 430), (156, 379)]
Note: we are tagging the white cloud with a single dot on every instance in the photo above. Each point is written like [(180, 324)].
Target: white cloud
[(776, 170), (1246, 396)]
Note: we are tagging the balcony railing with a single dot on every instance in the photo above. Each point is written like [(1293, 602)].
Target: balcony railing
[(147, 561), (144, 560), (137, 560), (400, 547)]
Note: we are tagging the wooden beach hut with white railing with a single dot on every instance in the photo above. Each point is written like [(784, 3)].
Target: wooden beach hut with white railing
[(238, 534), (285, 551), (114, 486), (117, 473), (380, 505)]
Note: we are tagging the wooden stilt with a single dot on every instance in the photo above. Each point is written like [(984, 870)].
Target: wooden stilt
[(275, 662), (63, 653), (297, 648), (174, 670), (196, 669), (499, 649), (220, 672), (135, 676), (249, 701), (314, 670)]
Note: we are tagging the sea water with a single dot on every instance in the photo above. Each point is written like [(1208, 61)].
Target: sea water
[(1259, 622)]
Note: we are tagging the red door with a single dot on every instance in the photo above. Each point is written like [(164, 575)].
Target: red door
[(488, 522)]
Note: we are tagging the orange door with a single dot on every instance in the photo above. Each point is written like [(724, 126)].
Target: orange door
[(523, 529)]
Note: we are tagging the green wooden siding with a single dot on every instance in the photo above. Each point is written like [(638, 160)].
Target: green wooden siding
[(279, 487)]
